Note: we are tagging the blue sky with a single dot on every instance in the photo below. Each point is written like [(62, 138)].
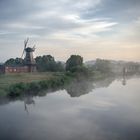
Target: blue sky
[(108, 29)]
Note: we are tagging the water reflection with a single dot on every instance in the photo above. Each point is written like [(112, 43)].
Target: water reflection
[(76, 89), (109, 112), (124, 76), (124, 80), (28, 100)]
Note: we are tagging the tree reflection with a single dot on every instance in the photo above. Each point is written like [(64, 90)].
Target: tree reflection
[(78, 88)]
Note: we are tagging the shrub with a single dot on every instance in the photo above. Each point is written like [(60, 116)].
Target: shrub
[(17, 89)]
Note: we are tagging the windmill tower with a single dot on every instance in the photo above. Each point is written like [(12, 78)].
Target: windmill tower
[(29, 60)]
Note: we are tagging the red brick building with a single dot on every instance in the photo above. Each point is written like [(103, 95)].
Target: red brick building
[(10, 69), (23, 69)]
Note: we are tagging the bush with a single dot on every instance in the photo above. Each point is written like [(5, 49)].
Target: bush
[(34, 87), (44, 84), (17, 89)]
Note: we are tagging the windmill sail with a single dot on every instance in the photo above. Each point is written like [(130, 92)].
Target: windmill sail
[(25, 43), (22, 54), (25, 46)]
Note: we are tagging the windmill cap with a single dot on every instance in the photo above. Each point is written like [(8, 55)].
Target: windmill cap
[(29, 49)]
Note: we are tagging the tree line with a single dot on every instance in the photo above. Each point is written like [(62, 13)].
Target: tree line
[(75, 64), (47, 63)]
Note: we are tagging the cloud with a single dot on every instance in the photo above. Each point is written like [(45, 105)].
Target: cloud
[(17, 15), (71, 26), (122, 10)]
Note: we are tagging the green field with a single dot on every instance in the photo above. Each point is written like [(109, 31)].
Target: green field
[(8, 79)]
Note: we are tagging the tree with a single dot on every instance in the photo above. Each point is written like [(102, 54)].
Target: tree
[(103, 65), (48, 63), (14, 62), (74, 62), (60, 66)]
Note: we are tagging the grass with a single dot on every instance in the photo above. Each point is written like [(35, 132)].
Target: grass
[(7, 80)]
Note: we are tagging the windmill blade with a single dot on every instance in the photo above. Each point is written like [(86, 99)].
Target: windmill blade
[(25, 42), (22, 54)]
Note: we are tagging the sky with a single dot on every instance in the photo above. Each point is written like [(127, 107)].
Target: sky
[(107, 29)]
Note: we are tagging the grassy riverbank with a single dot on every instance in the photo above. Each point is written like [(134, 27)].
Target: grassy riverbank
[(33, 83), (8, 80)]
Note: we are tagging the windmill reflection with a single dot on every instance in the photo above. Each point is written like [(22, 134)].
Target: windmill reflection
[(124, 81), (28, 100)]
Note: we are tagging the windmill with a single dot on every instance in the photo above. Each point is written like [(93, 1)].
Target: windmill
[(29, 59)]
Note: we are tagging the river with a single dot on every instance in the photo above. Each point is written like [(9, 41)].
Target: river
[(106, 109)]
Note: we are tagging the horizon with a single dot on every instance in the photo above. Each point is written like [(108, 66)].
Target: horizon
[(105, 29)]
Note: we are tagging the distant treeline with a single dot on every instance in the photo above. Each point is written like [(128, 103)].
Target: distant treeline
[(114, 67), (75, 64)]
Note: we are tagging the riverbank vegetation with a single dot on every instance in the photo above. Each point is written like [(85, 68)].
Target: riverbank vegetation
[(55, 81), (7, 80), (51, 74), (46, 78), (34, 87)]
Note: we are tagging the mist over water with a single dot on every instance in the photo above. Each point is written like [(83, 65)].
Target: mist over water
[(107, 109)]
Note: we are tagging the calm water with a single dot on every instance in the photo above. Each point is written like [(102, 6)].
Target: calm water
[(103, 110)]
